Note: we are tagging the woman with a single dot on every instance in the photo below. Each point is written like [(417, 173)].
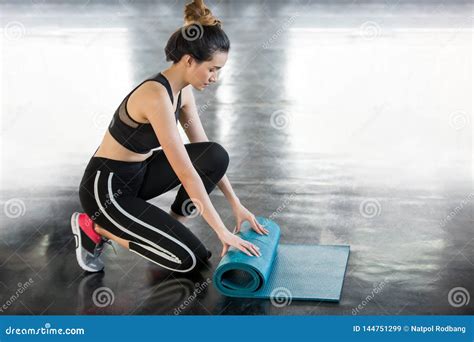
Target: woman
[(127, 169)]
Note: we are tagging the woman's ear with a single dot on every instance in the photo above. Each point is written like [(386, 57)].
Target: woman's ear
[(189, 60)]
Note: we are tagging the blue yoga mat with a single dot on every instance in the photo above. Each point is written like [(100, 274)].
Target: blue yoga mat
[(285, 271)]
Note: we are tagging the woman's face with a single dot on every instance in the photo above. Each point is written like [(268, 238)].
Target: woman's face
[(205, 73)]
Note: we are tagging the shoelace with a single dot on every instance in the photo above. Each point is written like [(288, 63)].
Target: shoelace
[(100, 248)]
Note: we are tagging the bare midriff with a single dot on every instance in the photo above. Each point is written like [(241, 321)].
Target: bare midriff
[(111, 149)]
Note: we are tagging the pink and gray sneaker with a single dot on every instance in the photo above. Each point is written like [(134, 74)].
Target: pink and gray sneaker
[(89, 244)]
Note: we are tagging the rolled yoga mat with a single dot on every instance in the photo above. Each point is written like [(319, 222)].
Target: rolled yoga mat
[(288, 271)]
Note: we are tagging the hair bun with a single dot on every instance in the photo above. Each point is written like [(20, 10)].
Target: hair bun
[(197, 12)]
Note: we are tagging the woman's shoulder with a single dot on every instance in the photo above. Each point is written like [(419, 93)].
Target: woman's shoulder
[(151, 92), (148, 96)]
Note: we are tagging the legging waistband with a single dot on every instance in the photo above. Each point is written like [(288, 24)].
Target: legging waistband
[(106, 164)]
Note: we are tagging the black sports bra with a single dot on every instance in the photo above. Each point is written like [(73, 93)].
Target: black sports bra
[(135, 136)]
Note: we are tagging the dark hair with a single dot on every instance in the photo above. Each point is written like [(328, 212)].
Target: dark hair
[(200, 37)]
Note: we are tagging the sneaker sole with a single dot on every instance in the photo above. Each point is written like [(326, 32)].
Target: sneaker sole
[(76, 231)]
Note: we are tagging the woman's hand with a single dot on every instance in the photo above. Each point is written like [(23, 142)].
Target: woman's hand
[(243, 214), (228, 239)]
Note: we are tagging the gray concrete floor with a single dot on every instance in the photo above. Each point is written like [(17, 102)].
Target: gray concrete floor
[(350, 120)]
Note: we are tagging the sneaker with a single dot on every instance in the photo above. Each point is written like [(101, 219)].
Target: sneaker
[(89, 244)]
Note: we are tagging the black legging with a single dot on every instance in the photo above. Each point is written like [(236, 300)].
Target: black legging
[(115, 193)]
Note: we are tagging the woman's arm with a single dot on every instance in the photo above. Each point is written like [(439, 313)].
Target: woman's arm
[(192, 126), (159, 112), (191, 123)]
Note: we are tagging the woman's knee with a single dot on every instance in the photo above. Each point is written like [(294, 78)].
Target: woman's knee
[(218, 156)]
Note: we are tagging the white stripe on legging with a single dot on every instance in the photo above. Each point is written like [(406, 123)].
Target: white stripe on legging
[(149, 226), (164, 253), (169, 256)]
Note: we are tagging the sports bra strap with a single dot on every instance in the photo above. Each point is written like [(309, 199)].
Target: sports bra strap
[(161, 79)]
